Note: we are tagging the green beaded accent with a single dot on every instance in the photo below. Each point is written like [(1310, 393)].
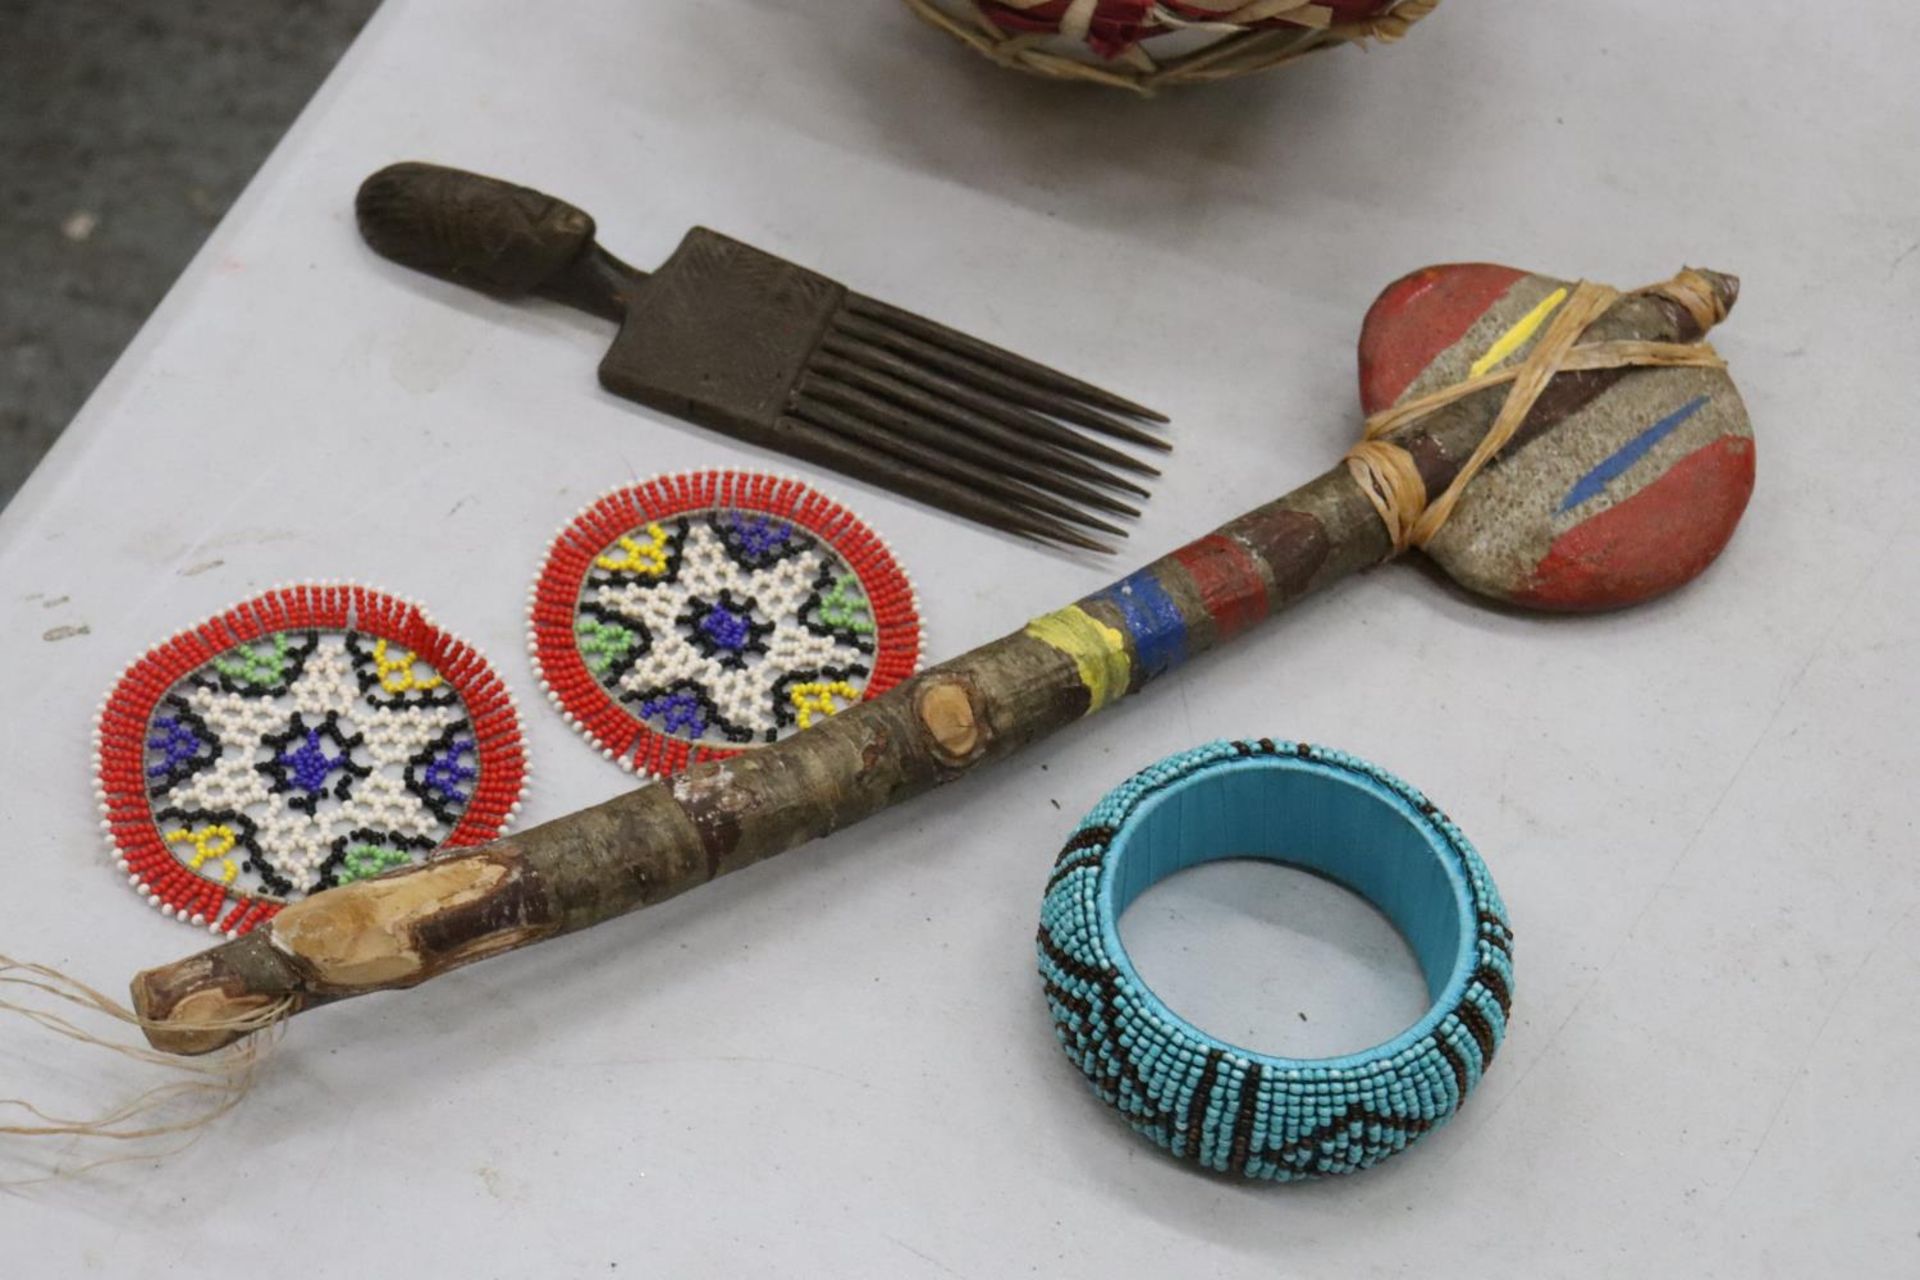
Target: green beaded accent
[(1227, 1108), (844, 606), (364, 861), (251, 665), (603, 644)]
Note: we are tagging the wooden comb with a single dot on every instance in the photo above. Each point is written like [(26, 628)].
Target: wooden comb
[(735, 339)]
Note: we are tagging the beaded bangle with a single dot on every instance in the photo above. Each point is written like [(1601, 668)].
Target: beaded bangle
[(1231, 1109)]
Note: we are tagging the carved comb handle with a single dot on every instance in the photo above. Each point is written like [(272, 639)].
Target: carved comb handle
[(471, 229)]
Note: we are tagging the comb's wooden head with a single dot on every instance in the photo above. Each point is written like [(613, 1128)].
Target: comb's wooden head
[(1627, 493), (468, 228)]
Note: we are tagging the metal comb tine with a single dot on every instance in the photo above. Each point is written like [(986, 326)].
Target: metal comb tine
[(940, 409), (852, 425), (997, 357), (953, 442), (824, 448), (983, 377), (1025, 421)]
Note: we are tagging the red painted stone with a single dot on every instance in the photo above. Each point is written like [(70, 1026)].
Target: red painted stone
[(1419, 316), (1648, 544), (1661, 538)]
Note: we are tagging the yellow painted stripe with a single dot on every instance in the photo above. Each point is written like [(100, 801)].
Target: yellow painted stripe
[(1515, 338), (1098, 650)]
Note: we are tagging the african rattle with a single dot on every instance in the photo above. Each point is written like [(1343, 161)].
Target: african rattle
[(1550, 444)]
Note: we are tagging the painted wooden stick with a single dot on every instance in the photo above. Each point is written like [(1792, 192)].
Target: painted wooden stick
[(1620, 485)]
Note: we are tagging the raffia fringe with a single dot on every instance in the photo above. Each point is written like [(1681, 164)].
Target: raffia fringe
[(193, 1093), (1239, 52)]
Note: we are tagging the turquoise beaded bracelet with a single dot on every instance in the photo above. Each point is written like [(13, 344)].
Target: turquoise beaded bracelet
[(1231, 1109)]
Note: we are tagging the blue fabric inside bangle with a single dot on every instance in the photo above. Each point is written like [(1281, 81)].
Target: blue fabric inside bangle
[(1352, 830)]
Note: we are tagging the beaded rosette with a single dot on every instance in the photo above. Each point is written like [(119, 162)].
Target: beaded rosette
[(694, 616), (309, 737)]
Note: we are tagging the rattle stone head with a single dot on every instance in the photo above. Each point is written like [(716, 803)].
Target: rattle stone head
[(1611, 497)]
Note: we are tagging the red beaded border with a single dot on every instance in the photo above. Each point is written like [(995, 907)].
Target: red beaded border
[(121, 734), (573, 690)]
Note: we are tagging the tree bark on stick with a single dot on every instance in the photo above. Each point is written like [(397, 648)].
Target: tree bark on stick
[(403, 928)]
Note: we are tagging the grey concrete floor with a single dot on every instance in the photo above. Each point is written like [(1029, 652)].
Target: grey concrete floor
[(125, 132)]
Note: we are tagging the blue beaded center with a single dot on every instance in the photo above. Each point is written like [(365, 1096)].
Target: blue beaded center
[(725, 628), (309, 766)]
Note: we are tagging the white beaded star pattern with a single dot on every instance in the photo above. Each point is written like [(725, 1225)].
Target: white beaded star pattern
[(691, 625), (295, 846)]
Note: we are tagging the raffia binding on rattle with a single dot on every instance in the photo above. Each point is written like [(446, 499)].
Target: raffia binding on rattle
[(1252, 41), (194, 1093), (1386, 472)]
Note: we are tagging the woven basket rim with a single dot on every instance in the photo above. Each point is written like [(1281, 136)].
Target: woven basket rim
[(1241, 52)]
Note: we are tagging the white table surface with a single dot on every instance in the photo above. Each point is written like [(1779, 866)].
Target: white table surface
[(838, 1063)]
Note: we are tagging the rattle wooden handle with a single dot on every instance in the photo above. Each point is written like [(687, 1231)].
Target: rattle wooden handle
[(400, 929)]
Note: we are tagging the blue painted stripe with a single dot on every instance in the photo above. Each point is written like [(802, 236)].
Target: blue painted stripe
[(1591, 484), (1153, 621)]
